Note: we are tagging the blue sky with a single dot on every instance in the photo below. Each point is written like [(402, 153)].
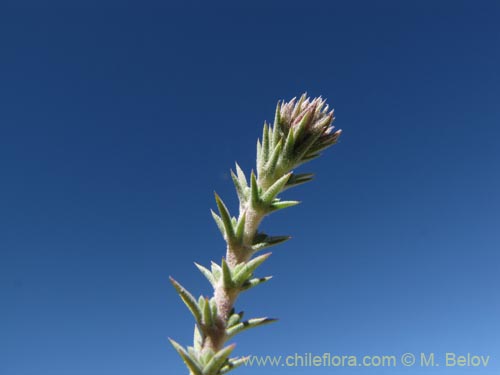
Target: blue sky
[(119, 121)]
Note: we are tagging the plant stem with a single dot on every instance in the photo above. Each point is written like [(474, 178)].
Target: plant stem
[(300, 131), (224, 298)]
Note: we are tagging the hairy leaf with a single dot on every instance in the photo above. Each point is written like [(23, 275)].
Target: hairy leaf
[(218, 360), (188, 299), (191, 363), (252, 323)]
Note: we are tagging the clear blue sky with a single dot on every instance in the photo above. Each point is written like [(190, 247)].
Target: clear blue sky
[(118, 122)]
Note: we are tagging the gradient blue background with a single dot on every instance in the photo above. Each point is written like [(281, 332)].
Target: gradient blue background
[(118, 121)]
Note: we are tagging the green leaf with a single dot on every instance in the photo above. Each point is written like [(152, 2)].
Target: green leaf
[(300, 129), (206, 356), (298, 179), (264, 154), (320, 105), (201, 303), (226, 275), (259, 237), (234, 319), (218, 360), (207, 314), (283, 204), (265, 144), (213, 307), (307, 159), (275, 136), (197, 339), (233, 363), (191, 363), (268, 241), (219, 223), (192, 352), (238, 267), (275, 189), (255, 190), (241, 176), (240, 227), (240, 189), (252, 323), (188, 299), (325, 122), (325, 142), (273, 160), (226, 219), (277, 116), (216, 271), (254, 282), (206, 273), (249, 267), (259, 153), (306, 145), (298, 106), (287, 153), (264, 151)]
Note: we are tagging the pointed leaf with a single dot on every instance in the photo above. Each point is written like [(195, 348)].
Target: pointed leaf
[(241, 176), (297, 179), (226, 219), (206, 273), (289, 146), (252, 323), (319, 148), (283, 204), (269, 241), (226, 275), (259, 237), (206, 356), (240, 189), (298, 107), (259, 155), (213, 307), (234, 319), (325, 123), (326, 142), (233, 363), (255, 190), (240, 227), (275, 189), (254, 282), (192, 352), (219, 223), (207, 314), (237, 268), (273, 160), (249, 268), (277, 115), (188, 299), (216, 271), (300, 129), (201, 303), (191, 363), (197, 339), (218, 360), (306, 145), (275, 136), (265, 144), (306, 159)]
